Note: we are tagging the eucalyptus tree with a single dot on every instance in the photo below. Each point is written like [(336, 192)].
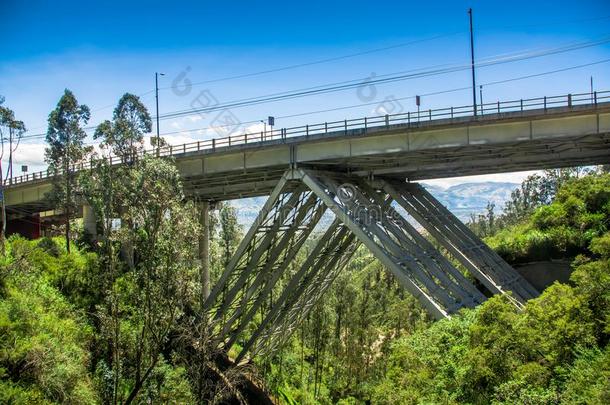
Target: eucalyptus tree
[(124, 135), (66, 149), (145, 300)]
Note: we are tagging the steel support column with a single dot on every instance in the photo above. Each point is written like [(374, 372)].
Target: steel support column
[(288, 218), (481, 261), (276, 266), (323, 264), (90, 221), (363, 214), (386, 234)]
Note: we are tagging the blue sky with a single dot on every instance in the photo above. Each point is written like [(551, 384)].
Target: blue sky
[(102, 51)]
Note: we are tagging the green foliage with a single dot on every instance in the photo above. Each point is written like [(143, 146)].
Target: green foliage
[(66, 149), (563, 228), (589, 379), (229, 232), (124, 135), (121, 326), (554, 351), (65, 135), (44, 340)]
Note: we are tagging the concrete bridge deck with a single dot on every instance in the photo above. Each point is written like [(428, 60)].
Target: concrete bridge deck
[(427, 145)]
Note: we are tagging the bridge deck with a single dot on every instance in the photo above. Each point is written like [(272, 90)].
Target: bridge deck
[(401, 146)]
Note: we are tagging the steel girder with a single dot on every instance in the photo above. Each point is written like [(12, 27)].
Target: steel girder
[(323, 264), (482, 262), (413, 260), (270, 245), (237, 306)]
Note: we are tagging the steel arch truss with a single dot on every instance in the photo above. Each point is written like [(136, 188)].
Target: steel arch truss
[(241, 307), (323, 264), (412, 259), (482, 262), (283, 225)]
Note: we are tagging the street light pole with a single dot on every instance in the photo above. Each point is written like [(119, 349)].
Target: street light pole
[(474, 85), (157, 103), (265, 129)]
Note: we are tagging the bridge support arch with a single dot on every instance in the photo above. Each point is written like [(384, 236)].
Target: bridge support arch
[(380, 214)]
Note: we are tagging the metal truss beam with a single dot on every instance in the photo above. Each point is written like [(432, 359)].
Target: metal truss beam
[(239, 307), (286, 220), (277, 264), (417, 266), (481, 261), (322, 266)]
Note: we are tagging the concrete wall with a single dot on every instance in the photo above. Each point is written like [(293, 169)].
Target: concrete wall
[(543, 274)]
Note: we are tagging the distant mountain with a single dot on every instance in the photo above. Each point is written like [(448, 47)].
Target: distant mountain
[(466, 198), (462, 199)]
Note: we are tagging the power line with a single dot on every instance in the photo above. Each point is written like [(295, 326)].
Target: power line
[(382, 79), (320, 61), (400, 98), (435, 93), (546, 24), (375, 50)]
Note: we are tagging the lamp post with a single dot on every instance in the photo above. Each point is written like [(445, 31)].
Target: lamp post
[(265, 129), (157, 74)]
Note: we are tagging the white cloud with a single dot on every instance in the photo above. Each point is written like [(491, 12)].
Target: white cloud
[(31, 154)]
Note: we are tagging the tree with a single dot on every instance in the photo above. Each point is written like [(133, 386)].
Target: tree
[(145, 301), (229, 231), (66, 149), (537, 190), (15, 129), (124, 135)]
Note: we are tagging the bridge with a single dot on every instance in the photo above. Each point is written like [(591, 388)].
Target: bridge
[(362, 171)]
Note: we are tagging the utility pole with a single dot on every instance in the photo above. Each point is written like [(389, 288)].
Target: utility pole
[(474, 85), (481, 98), (157, 102)]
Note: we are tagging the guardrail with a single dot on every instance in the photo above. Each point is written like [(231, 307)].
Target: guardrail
[(365, 123)]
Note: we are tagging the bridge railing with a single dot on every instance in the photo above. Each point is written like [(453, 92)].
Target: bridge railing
[(349, 125)]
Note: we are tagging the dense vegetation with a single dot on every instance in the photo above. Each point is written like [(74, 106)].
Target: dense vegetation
[(368, 342), (73, 331), (117, 318)]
